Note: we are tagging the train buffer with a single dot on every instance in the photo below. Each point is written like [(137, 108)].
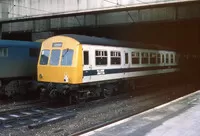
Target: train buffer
[(180, 117)]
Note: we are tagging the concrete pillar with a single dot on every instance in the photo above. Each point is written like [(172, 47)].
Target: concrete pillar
[(0, 31)]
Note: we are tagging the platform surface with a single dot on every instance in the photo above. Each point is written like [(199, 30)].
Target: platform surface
[(180, 117)]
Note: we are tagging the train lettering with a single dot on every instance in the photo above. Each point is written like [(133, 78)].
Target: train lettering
[(100, 72)]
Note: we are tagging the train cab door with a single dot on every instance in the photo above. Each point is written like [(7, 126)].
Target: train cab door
[(87, 64)]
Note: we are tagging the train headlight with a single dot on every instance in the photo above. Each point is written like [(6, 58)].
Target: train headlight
[(40, 76), (66, 79)]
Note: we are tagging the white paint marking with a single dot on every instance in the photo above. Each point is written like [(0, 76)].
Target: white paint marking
[(1, 118), (14, 115)]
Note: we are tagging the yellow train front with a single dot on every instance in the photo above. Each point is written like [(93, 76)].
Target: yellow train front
[(60, 61), (82, 66)]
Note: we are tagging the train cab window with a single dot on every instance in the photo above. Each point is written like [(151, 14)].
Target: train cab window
[(115, 58), (34, 52), (44, 57), (158, 58), (86, 57), (167, 58), (55, 57), (3, 52), (135, 57), (172, 58), (126, 58), (145, 58), (67, 57), (152, 58), (101, 57)]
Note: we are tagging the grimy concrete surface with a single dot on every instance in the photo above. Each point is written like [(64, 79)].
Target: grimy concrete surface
[(180, 117)]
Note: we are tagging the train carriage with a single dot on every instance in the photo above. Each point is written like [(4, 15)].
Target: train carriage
[(18, 60), (82, 62)]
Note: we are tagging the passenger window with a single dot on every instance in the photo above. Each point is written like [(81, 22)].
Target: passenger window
[(67, 57), (44, 57), (34, 52), (126, 58), (135, 58), (3, 52), (101, 57), (172, 58), (152, 58), (86, 57), (158, 58), (55, 57), (115, 58), (167, 58), (163, 58), (145, 57)]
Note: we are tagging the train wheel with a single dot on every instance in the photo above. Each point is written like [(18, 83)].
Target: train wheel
[(44, 95), (106, 93), (75, 98)]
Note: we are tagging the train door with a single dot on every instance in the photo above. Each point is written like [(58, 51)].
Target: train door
[(126, 59), (87, 64)]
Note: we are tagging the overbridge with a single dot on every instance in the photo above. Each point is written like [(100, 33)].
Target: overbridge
[(43, 18)]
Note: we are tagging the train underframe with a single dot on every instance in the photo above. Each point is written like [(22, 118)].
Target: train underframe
[(18, 86), (80, 93)]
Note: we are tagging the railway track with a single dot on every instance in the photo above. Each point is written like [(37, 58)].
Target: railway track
[(37, 116), (33, 117)]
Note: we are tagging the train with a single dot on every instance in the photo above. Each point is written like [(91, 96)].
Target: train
[(81, 67), (18, 60)]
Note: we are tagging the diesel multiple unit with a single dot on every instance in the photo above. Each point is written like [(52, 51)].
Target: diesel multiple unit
[(83, 66)]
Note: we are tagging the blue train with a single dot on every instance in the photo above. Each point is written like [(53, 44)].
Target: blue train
[(18, 65)]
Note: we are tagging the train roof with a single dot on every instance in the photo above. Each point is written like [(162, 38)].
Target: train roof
[(110, 42), (13, 43)]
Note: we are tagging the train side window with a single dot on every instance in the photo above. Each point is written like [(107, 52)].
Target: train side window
[(86, 57), (115, 57), (135, 57), (44, 57), (55, 57), (126, 58), (158, 58), (101, 57), (67, 57), (34, 52), (163, 58), (145, 57), (167, 58), (172, 58), (3, 52), (152, 58)]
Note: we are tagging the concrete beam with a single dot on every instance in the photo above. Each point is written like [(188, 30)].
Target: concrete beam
[(157, 13)]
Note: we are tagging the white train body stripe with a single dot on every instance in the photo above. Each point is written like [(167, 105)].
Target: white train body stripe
[(95, 78)]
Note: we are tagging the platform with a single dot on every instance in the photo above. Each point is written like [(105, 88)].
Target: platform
[(180, 117)]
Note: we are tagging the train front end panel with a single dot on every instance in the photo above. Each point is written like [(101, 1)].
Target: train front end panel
[(60, 61)]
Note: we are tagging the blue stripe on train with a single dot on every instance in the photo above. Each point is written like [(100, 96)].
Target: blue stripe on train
[(124, 70)]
